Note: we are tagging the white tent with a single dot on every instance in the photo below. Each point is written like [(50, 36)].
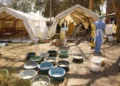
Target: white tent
[(32, 24), (74, 14)]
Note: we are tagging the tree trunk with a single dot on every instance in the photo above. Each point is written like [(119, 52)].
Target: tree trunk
[(91, 5), (116, 6)]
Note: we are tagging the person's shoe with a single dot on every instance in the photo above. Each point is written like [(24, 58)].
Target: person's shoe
[(97, 53)]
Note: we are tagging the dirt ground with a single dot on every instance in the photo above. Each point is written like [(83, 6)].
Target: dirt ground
[(13, 58)]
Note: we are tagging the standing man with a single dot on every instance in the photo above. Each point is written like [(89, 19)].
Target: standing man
[(100, 26)]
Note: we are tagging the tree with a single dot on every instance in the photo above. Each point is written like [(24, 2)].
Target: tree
[(24, 5), (116, 6), (61, 5), (55, 8), (39, 5), (29, 5)]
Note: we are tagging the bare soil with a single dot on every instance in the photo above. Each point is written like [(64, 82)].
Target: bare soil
[(14, 57)]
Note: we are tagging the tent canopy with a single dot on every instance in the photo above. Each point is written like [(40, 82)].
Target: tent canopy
[(32, 24), (75, 14)]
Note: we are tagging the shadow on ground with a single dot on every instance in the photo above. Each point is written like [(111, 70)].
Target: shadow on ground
[(93, 76)]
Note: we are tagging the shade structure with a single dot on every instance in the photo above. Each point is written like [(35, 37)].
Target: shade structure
[(74, 14), (16, 19)]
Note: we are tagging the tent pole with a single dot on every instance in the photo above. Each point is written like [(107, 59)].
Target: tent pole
[(50, 14)]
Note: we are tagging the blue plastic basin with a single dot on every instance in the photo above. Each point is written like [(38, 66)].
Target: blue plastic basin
[(57, 73), (45, 66)]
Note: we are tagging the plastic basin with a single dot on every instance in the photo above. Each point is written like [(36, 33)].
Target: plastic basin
[(27, 74), (57, 73), (63, 53), (36, 58), (52, 53), (45, 66), (50, 59), (30, 54), (40, 80), (30, 65), (44, 55), (63, 64)]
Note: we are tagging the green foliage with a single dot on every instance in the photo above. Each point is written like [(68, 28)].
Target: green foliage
[(24, 5), (29, 5), (61, 5), (39, 5), (57, 5)]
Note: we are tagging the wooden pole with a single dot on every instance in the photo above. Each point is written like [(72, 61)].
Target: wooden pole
[(91, 5)]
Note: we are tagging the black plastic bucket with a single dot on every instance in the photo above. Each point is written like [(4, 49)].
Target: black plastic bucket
[(29, 55), (52, 53), (63, 64)]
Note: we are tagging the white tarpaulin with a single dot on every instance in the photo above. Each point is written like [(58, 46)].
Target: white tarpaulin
[(76, 12), (33, 24), (108, 29)]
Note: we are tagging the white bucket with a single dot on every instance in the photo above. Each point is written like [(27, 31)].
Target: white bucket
[(96, 64), (95, 67), (108, 29), (110, 38)]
